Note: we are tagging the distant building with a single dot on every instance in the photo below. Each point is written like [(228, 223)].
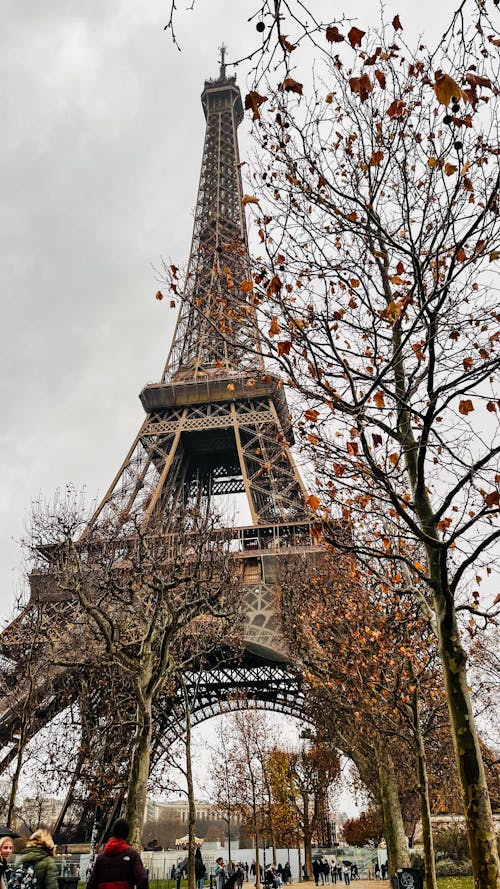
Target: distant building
[(38, 812), (178, 810)]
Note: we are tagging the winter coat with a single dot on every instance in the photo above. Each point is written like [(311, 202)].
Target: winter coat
[(44, 864), (118, 866), (200, 870), (5, 871)]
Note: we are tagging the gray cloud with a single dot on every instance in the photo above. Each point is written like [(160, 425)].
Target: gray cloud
[(103, 132)]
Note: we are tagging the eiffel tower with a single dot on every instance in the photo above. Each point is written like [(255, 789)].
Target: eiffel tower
[(216, 424)]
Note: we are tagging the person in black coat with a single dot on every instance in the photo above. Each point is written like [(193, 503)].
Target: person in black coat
[(316, 871), (200, 870)]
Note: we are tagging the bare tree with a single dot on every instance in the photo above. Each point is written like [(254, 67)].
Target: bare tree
[(144, 604)]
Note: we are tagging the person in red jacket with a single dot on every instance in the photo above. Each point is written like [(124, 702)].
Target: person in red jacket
[(118, 866)]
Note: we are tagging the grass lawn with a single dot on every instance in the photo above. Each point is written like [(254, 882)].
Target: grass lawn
[(455, 882), (170, 884)]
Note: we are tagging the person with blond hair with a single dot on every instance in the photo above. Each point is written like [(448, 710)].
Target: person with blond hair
[(6, 850), (40, 851)]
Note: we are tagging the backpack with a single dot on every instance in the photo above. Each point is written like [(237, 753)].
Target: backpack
[(22, 876)]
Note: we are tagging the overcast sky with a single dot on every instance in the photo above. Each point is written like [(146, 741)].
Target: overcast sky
[(102, 137)]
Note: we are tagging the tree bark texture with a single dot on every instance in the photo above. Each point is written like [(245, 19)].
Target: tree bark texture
[(423, 789), (139, 774), (476, 802), (395, 837)]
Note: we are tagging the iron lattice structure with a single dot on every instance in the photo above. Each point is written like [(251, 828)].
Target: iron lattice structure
[(216, 424)]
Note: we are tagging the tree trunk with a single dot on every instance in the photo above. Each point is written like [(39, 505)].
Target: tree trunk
[(256, 835), (139, 774), (258, 881), (395, 837), (475, 798), (307, 836), (423, 789), (299, 856), (15, 778)]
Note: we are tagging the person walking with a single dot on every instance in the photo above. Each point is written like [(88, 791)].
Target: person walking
[(316, 871), (200, 870), (347, 874), (40, 851), (118, 866), (220, 872)]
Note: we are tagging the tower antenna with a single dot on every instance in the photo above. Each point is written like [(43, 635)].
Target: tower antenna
[(222, 50)]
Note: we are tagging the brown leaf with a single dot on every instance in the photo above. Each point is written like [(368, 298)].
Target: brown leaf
[(377, 439), (290, 85), (159, 295), (467, 363), (465, 407), (396, 24), (491, 407), (446, 89), (461, 255), (352, 448), (379, 399), (274, 327), (333, 35), (246, 286), (311, 415), (253, 101), (313, 501), (248, 199), (284, 347), (476, 80), (396, 108), (355, 37), (362, 86), (380, 77), (376, 158), (449, 169), (492, 499), (286, 44), (274, 286)]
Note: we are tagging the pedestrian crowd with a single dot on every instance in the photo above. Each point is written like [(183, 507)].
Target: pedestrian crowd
[(118, 866), (325, 871)]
